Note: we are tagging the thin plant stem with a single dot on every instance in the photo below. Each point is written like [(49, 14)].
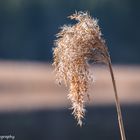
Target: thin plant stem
[(120, 120)]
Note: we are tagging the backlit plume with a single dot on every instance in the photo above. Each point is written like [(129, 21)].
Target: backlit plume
[(75, 46)]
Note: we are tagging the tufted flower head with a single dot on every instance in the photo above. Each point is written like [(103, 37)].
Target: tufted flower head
[(75, 46)]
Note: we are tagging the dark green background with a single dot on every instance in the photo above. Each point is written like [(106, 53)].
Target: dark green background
[(100, 124), (28, 27)]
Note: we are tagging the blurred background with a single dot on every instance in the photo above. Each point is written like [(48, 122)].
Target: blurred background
[(32, 106)]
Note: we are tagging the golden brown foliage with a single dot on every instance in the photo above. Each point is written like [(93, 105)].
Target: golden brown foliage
[(74, 47)]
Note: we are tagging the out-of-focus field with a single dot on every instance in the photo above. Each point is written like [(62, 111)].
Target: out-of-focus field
[(33, 107), (25, 86)]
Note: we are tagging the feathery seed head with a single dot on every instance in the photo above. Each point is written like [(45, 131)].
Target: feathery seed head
[(74, 47)]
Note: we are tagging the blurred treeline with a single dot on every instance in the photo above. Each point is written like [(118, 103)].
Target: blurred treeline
[(28, 27)]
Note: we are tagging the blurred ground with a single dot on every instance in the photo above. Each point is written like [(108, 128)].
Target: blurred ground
[(33, 107), (26, 86)]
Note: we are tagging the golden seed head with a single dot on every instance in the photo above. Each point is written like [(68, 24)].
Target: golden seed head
[(74, 47)]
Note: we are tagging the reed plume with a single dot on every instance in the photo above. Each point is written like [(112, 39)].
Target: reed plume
[(75, 46)]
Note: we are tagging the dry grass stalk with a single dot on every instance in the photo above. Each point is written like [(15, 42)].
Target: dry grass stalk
[(74, 47)]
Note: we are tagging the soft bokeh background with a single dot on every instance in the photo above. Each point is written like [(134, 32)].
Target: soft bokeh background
[(32, 106)]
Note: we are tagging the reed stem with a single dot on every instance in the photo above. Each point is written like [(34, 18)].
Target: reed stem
[(120, 120)]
